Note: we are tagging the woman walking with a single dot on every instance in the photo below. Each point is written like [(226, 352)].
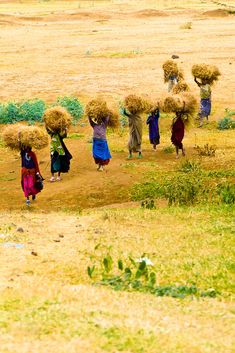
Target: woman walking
[(205, 103), (100, 149), (135, 134), (152, 122), (31, 179), (60, 156), (177, 133)]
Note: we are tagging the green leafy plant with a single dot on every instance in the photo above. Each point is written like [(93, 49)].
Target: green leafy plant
[(73, 105), (226, 192), (226, 123), (148, 204), (30, 110), (138, 275)]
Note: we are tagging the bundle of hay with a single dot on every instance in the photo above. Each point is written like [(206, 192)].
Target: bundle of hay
[(97, 110), (136, 105), (170, 69), (113, 122), (57, 119), (184, 104), (210, 73), (33, 136), (19, 136), (181, 86)]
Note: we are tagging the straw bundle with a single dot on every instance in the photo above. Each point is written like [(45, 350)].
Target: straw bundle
[(113, 119), (170, 69), (19, 136), (181, 86), (184, 103), (97, 110), (135, 104), (210, 73), (33, 136), (57, 119)]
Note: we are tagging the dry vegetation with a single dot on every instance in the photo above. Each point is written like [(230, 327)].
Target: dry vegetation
[(47, 301)]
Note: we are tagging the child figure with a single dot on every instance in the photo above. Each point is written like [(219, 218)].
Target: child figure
[(177, 135), (100, 149), (205, 103), (30, 173), (152, 122)]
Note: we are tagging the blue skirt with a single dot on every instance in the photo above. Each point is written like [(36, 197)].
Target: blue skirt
[(100, 151), (205, 107)]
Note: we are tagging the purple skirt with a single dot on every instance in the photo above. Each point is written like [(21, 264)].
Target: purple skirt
[(205, 107)]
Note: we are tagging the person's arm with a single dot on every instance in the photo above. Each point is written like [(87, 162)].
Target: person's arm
[(34, 158), (91, 122), (197, 82), (125, 113), (149, 119)]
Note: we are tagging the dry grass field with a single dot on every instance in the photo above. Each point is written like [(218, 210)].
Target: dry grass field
[(48, 303)]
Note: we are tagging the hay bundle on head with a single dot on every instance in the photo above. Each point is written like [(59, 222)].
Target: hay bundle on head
[(11, 135), (135, 104), (170, 69), (210, 73), (97, 110), (19, 136), (57, 119), (181, 86), (185, 104), (33, 136), (113, 121)]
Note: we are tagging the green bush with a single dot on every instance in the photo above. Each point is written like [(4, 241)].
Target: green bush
[(226, 123), (31, 111), (73, 106), (226, 193)]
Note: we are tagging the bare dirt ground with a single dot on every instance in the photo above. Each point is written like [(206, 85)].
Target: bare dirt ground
[(112, 48)]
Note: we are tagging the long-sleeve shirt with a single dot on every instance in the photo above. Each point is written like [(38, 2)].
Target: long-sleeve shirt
[(99, 130)]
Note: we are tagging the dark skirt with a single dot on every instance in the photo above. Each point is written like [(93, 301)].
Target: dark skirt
[(205, 107), (101, 153), (59, 163)]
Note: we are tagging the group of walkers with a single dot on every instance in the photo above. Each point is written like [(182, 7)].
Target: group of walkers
[(32, 181)]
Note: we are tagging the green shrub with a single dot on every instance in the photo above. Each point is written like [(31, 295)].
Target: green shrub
[(30, 110), (73, 105), (182, 189), (226, 193), (226, 123), (148, 204)]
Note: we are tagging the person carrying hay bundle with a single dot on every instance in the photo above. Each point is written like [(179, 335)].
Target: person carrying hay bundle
[(100, 117), (172, 74), (207, 74), (133, 107), (152, 122), (24, 138), (184, 107), (31, 179), (57, 121)]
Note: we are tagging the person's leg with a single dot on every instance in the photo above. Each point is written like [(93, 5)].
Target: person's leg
[(177, 151), (140, 155), (33, 197), (27, 201), (58, 177), (154, 147), (183, 150), (130, 154), (52, 177)]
